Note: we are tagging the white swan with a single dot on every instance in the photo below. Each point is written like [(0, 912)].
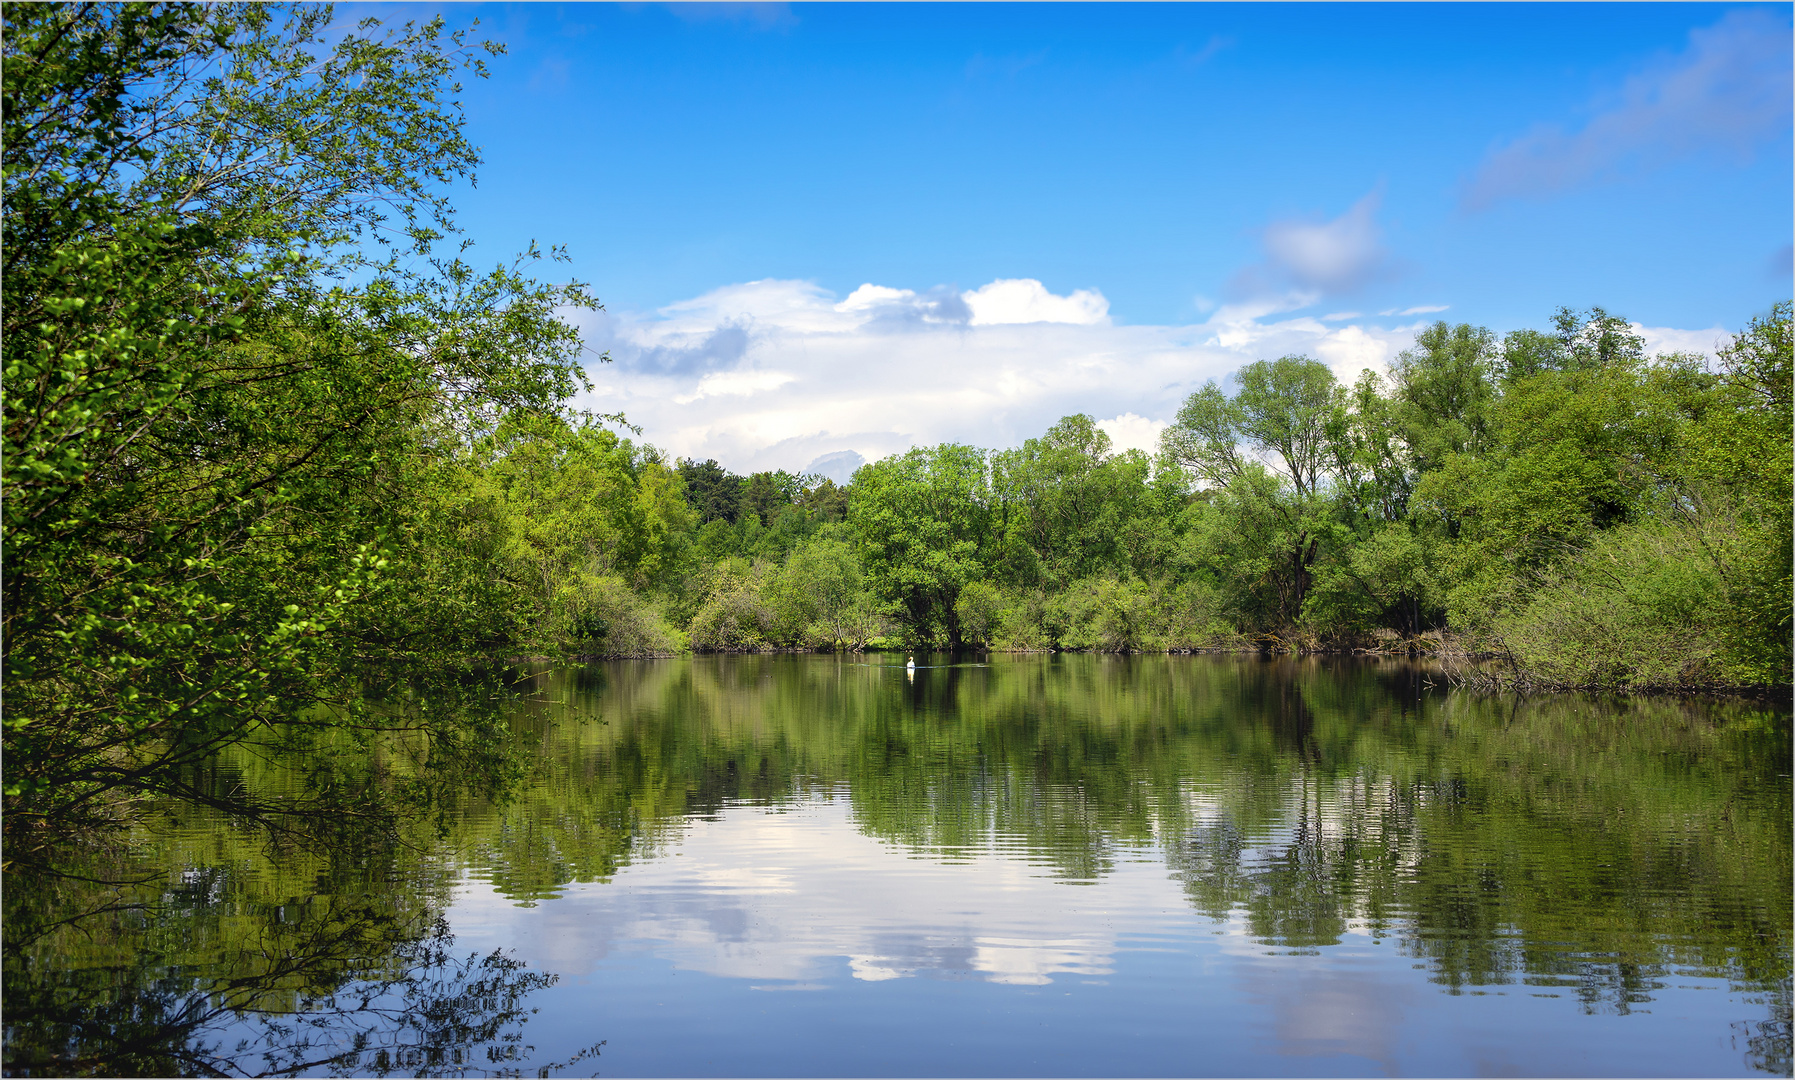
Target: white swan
[(911, 666)]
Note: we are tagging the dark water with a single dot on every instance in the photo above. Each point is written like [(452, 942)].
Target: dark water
[(1069, 865)]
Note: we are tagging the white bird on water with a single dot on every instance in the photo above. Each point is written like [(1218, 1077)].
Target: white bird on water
[(911, 666)]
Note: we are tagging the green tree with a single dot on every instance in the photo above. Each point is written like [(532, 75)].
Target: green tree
[(219, 458), (925, 523), (820, 595), (1273, 449), (1079, 508), (1282, 410), (1444, 387), (714, 492)]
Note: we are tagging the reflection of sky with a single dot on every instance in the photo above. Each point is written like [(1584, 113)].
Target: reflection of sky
[(994, 952), (771, 896)]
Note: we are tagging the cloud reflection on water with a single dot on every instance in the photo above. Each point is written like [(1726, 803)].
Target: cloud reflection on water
[(783, 899), (789, 896)]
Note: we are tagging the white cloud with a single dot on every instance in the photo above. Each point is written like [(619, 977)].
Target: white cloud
[(1008, 301), (1423, 309), (1133, 432), (1727, 93), (1353, 349), (870, 296), (1334, 256), (736, 384), (790, 305), (1663, 339), (785, 375)]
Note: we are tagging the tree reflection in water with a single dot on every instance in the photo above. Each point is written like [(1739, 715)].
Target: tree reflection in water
[(338, 987), (259, 929), (1588, 848), (1578, 846)]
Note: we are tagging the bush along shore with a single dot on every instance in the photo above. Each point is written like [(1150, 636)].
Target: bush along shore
[(1554, 508)]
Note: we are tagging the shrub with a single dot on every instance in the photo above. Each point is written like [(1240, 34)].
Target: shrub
[(1102, 615), (819, 597), (1642, 607), (735, 616), (1194, 615), (608, 619), (980, 609)]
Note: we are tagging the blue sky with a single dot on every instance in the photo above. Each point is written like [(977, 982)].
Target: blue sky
[(1186, 169)]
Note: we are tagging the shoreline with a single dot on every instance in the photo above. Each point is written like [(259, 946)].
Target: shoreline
[(1453, 664)]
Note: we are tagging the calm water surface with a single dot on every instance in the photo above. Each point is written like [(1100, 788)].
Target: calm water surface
[(1085, 865)]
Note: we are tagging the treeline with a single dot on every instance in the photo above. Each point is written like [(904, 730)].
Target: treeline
[(1585, 513)]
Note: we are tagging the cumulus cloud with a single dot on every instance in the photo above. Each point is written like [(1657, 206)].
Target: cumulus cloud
[(902, 306), (1353, 349), (1132, 432), (1025, 300), (819, 383), (719, 348), (1660, 340), (736, 384), (1723, 96), (1331, 257)]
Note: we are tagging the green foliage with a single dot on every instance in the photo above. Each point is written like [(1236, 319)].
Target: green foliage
[(1387, 580), (1629, 611), (1443, 388), (221, 463), (820, 597), (1073, 507), (1288, 411), (1102, 615), (1258, 539), (735, 616), (1284, 408), (980, 609), (583, 522), (925, 521), (1485, 493), (1691, 587)]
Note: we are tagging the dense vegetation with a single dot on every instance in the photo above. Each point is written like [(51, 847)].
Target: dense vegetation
[(1588, 514), (277, 468), (243, 399)]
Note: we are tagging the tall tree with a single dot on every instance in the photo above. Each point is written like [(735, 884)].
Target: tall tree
[(1285, 419), (218, 456), (924, 519), (1073, 502), (714, 492)]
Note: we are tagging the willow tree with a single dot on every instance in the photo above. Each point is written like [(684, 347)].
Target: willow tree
[(1272, 449)]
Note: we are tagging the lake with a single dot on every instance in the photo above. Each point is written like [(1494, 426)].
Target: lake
[(1035, 865)]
